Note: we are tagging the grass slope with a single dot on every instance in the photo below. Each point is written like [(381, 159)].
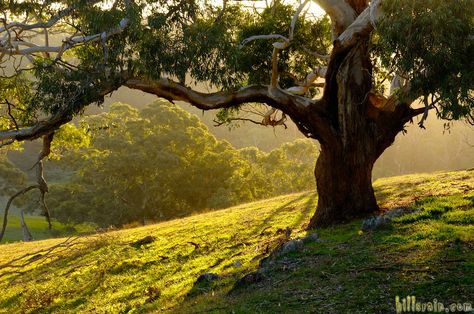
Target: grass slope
[(429, 254), (39, 228)]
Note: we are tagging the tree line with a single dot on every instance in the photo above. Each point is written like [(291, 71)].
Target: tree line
[(161, 162)]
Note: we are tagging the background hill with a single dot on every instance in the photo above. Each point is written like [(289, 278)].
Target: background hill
[(428, 254), (437, 148)]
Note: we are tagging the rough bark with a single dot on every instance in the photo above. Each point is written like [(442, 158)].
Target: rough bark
[(344, 168), (344, 184)]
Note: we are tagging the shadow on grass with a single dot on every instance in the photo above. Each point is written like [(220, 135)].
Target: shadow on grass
[(286, 206), (349, 271), (44, 264)]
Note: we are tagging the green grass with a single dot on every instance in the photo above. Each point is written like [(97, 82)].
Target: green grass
[(428, 254), (39, 228)]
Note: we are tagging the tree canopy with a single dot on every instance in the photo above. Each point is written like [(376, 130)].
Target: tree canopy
[(328, 74)]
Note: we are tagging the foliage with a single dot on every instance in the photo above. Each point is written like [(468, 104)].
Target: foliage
[(11, 178), (431, 44), (161, 162), (429, 258)]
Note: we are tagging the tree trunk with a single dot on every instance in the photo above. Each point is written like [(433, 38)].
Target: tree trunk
[(344, 168), (344, 184)]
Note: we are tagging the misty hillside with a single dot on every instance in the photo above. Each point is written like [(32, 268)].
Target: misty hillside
[(445, 147), (428, 251)]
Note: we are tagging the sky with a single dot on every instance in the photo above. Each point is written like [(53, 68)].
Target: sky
[(313, 8)]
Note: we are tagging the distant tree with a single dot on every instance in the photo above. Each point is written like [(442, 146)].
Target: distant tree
[(154, 164), (287, 169), (278, 57), (161, 162)]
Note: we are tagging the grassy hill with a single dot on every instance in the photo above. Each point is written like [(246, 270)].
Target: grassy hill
[(39, 228), (428, 254)]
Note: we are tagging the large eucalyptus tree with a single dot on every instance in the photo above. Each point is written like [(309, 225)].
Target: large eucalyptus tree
[(327, 74)]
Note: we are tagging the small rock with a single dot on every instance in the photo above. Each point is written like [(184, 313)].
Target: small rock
[(207, 277), (384, 219), (237, 263), (374, 223), (314, 237), (396, 212), (291, 246), (249, 279)]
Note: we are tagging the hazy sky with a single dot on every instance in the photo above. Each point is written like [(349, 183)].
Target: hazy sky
[(313, 8)]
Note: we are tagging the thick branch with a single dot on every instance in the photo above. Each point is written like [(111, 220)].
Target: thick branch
[(301, 109), (174, 91), (341, 13), (361, 27)]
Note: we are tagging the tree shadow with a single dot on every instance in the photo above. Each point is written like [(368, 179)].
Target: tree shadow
[(260, 228), (350, 271)]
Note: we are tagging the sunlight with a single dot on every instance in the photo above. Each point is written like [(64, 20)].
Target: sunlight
[(313, 9)]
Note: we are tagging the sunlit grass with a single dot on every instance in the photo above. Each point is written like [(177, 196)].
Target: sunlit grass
[(39, 228), (349, 271)]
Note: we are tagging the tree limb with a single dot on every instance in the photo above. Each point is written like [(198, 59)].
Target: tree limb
[(341, 13), (23, 26), (46, 126), (299, 109), (264, 37), (173, 91), (361, 27)]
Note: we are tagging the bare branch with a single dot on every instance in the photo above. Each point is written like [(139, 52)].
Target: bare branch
[(341, 13), (303, 87), (425, 112), (9, 105), (295, 19), (264, 37), (26, 232), (361, 27), (397, 82), (43, 187), (48, 24), (18, 36)]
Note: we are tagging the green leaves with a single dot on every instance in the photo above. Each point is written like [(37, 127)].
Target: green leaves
[(162, 162), (431, 44)]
